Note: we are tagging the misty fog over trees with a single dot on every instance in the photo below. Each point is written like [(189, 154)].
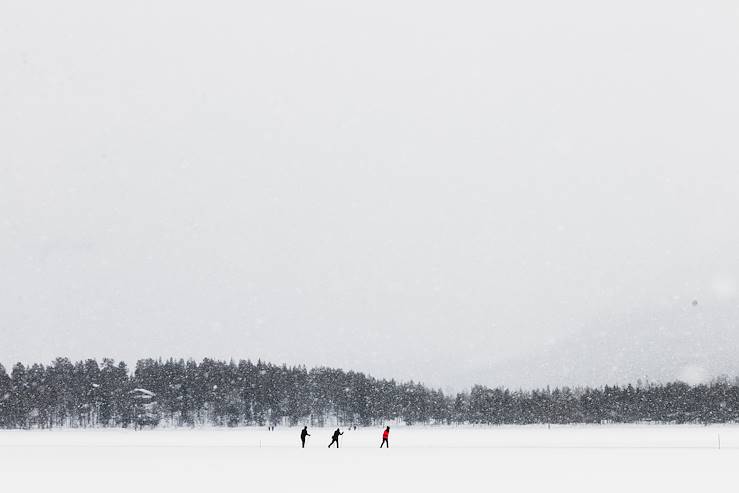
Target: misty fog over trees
[(188, 393)]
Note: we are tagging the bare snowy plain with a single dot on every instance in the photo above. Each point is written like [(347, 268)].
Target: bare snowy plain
[(526, 458)]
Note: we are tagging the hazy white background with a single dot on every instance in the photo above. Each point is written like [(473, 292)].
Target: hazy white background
[(430, 190)]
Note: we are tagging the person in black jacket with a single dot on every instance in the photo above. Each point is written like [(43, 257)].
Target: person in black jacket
[(304, 434), (335, 438)]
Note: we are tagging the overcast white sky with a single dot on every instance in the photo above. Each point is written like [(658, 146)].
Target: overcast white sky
[(408, 188)]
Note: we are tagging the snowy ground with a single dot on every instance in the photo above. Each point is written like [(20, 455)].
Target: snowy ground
[(572, 458)]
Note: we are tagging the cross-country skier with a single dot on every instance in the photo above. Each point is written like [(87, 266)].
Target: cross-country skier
[(304, 434), (385, 436), (335, 438)]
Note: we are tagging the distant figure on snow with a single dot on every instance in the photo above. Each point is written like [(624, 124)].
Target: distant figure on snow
[(304, 434), (385, 436), (335, 438)]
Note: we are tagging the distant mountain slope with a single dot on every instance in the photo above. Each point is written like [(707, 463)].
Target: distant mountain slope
[(692, 343)]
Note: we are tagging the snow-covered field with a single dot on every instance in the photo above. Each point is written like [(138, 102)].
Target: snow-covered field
[(532, 458)]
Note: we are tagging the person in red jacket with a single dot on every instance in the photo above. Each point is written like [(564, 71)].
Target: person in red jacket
[(385, 436)]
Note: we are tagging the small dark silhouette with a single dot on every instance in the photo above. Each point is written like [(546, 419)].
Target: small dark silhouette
[(335, 438), (304, 434), (385, 436), (355, 427)]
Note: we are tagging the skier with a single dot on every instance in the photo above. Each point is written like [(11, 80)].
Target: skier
[(304, 434), (385, 436), (335, 438)]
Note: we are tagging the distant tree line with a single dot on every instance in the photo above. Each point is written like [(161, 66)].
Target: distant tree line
[(188, 393)]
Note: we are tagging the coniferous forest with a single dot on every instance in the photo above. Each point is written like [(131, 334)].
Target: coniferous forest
[(188, 393)]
